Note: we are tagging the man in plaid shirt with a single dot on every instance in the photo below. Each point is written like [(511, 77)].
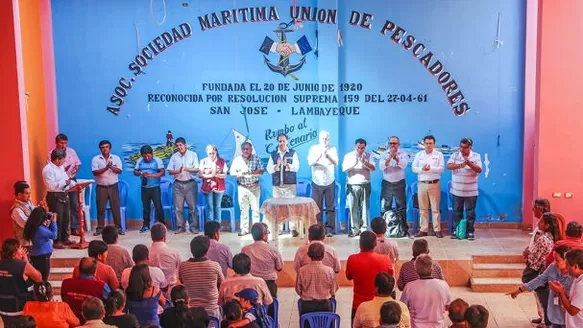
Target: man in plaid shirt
[(247, 168)]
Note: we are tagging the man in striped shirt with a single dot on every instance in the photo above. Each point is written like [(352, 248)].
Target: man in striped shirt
[(465, 166), (408, 272)]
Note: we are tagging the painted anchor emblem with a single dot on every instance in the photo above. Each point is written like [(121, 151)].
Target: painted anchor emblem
[(285, 50)]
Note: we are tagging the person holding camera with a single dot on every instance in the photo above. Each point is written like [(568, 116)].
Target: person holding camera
[(41, 229)]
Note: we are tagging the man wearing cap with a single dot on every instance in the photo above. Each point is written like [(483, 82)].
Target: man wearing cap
[(182, 165)]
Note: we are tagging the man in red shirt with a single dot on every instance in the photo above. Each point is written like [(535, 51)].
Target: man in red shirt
[(363, 269), (572, 239)]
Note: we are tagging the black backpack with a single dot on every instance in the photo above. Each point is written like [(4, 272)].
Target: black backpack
[(395, 226)]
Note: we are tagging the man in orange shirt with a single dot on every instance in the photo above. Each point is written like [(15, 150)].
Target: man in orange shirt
[(98, 251), (363, 268)]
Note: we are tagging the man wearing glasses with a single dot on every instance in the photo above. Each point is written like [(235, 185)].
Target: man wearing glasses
[(393, 163), (465, 167)]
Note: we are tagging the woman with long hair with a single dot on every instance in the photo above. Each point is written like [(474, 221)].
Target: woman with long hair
[(41, 229), (180, 315), (142, 297), (114, 311), (48, 313), (213, 171)]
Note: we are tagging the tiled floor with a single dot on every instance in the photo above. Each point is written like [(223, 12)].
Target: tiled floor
[(504, 311), (488, 242)]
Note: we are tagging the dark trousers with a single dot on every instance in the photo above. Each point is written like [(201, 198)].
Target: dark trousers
[(102, 195), (358, 199), (394, 190), (321, 194), (43, 264), (152, 195), (315, 306), (458, 211), (543, 296), (272, 286), (58, 203)]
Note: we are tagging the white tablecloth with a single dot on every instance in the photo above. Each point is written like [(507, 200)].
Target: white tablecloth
[(279, 210)]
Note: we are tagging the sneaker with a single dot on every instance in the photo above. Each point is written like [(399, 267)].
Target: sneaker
[(179, 230), (453, 236), (329, 234), (144, 229), (421, 234), (97, 232), (352, 235), (242, 233), (121, 232), (471, 236), (438, 234)]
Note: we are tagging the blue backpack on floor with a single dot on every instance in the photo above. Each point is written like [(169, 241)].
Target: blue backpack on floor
[(461, 229)]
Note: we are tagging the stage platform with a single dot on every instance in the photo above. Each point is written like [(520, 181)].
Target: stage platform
[(492, 259)]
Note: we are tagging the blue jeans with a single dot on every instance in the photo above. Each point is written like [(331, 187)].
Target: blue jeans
[(213, 205)]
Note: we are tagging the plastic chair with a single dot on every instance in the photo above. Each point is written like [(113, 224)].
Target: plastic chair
[(337, 211), (411, 191), (332, 302), (231, 190), (275, 312), (450, 226), (123, 203), (214, 322), (87, 193), (320, 320), (200, 205), (304, 187), (167, 203)]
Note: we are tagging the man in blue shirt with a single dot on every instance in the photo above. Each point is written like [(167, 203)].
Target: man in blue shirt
[(150, 169)]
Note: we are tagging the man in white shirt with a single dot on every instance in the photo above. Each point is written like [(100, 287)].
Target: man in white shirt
[(182, 165), (573, 304), (393, 163), (247, 168), (71, 165), (358, 165), (57, 182), (465, 166), (323, 158), (283, 165), (20, 210), (428, 165), (162, 256), (106, 168)]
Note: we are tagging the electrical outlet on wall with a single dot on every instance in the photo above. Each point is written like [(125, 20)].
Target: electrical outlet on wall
[(568, 195), (557, 194)]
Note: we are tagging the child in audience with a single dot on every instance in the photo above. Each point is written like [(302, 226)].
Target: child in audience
[(574, 302), (233, 313), (254, 311)]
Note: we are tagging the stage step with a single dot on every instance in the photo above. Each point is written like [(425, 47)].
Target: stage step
[(56, 284), (494, 285), (65, 262), (60, 274), (498, 259), (497, 270)]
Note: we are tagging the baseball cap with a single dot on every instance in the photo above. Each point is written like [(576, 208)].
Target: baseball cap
[(249, 294)]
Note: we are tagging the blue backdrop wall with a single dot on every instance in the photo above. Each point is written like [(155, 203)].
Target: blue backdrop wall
[(129, 73)]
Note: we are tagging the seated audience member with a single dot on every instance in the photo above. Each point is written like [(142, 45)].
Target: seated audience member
[(164, 257), (180, 315), (93, 312), (115, 310), (141, 255), (367, 314), (316, 234), (557, 271), (427, 298), (316, 282), (384, 246), (98, 251), (266, 261), (408, 272), (118, 258), (477, 316), (48, 313), (202, 277), (573, 303), (572, 240), (363, 268), (457, 310), (143, 297), (20, 210), (253, 311), (24, 321), (390, 315), (232, 313), (40, 230), (218, 252), (243, 279), (14, 273), (77, 289)]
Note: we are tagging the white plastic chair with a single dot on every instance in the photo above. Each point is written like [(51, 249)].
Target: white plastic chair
[(87, 206)]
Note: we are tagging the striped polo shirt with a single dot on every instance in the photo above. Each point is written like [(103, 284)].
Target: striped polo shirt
[(202, 278), (464, 181)]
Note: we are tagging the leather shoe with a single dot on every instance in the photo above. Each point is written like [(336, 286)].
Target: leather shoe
[(438, 234), (179, 231), (120, 232), (421, 234), (329, 234), (75, 233), (538, 320), (352, 235), (295, 233), (68, 242), (193, 231), (58, 245), (242, 233)]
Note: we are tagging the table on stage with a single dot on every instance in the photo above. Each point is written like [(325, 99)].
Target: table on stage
[(279, 210)]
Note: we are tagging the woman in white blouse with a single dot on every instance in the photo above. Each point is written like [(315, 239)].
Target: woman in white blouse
[(213, 171)]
